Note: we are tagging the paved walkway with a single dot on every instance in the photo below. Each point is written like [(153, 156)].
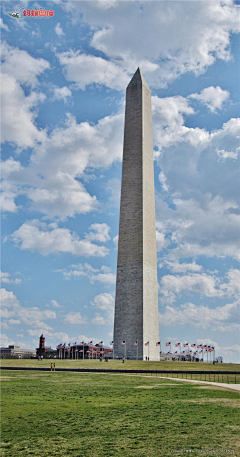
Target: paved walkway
[(235, 387), (216, 384)]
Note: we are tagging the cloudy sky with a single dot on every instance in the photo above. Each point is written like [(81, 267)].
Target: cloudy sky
[(63, 95)]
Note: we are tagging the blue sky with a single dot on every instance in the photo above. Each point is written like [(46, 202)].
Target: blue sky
[(63, 96)]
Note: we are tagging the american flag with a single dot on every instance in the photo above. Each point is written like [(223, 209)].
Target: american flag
[(75, 344), (158, 343), (199, 346), (59, 346), (205, 351), (169, 343), (123, 342), (100, 342), (185, 345), (111, 342), (177, 344), (195, 353), (193, 345), (205, 346), (90, 342), (147, 343), (182, 352), (64, 345), (175, 352), (200, 351), (136, 343), (168, 353)]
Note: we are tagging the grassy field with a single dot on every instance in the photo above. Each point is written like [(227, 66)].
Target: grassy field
[(93, 415), (129, 364), (135, 365)]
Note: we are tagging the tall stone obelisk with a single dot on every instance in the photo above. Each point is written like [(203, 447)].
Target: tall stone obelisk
[(136, 304)]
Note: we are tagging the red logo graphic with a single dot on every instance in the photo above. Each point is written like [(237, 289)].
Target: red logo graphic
[(38, 13)]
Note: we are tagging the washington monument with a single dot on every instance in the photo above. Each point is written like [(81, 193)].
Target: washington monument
[(136, 329)]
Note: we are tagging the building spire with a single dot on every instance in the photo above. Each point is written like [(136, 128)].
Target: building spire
[(137, 78)]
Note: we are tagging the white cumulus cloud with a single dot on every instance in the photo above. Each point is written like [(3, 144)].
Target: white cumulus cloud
[(162, 55), (84, 70), (105, 303), (31, 316), (52, 180), (50, 239), (58, 30), (62, 93), (103, 275), (172, 286), (6, 278), (75, 318), (212, 97), (223, 318)]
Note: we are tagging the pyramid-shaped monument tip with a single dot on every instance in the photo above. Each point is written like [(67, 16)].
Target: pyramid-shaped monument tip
[(137, 78)]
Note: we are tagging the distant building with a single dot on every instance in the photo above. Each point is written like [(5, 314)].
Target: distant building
[(45, 352), (83, 351), (177, 358), (74, 351), (15, 352)]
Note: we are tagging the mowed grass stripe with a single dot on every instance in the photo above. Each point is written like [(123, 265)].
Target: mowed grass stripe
[(117, 364), (139, 365), (88, 415)]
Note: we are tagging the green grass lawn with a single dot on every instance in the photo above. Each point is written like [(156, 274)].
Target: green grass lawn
[(117, 364), (135, 365), (93, 415)]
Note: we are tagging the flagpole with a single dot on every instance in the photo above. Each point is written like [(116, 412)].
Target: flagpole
[(125, 349), (137, 350), (148, 351), (160, 353)]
